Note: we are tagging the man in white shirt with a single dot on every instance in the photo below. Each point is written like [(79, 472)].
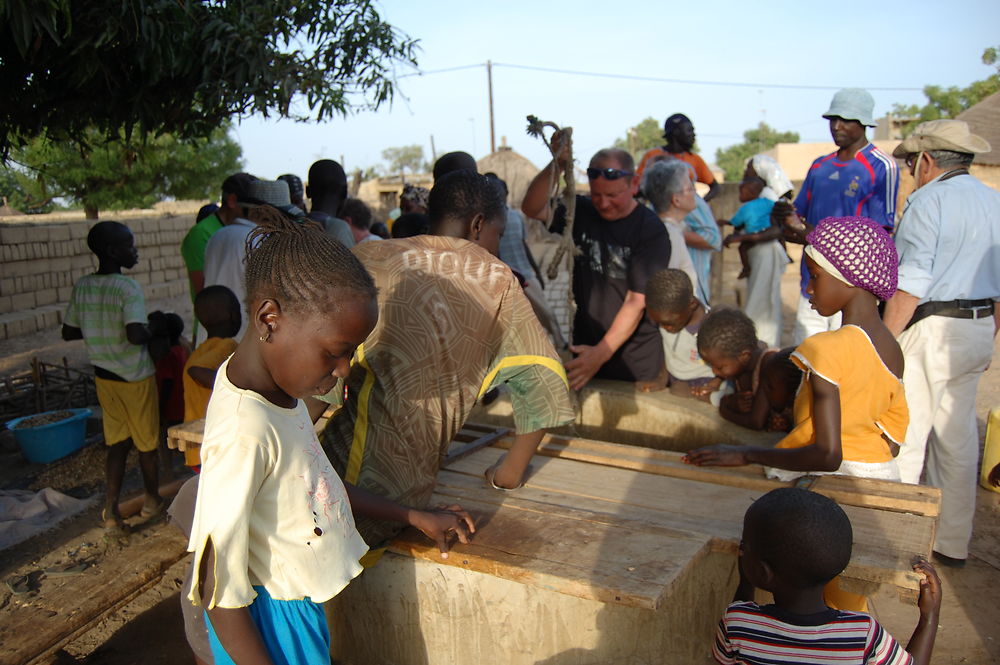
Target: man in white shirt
[(226, 251), (945, 317)]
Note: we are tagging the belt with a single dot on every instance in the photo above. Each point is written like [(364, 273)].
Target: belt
[(955, 309)]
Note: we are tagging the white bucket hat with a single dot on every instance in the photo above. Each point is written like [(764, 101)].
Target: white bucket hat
[(852, 104)]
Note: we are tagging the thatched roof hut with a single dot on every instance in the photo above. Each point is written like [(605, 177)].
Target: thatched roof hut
[(516, 170), (984, 120)]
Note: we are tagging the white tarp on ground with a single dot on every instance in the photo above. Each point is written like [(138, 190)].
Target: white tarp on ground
[(24, 513)]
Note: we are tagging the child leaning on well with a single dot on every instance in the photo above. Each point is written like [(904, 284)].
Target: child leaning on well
[(794, 542), (273, 530), (107, 311), (670, 304), (727, 342), (850, 413), (218, 311)]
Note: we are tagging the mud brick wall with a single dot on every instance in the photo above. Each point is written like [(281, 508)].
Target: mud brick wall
[(40, 261)]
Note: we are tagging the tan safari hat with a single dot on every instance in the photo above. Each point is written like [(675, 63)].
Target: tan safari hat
[(951, 135)]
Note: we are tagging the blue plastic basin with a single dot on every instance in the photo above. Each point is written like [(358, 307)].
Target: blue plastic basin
[(47, 443)]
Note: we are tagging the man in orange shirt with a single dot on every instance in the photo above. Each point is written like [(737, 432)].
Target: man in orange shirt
[(678, 131)]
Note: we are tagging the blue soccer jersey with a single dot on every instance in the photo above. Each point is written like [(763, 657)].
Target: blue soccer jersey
[(865, 186)]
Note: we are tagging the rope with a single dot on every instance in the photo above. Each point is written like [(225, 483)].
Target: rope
[(564, 143)]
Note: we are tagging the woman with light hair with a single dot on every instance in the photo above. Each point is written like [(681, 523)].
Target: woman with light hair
[(668, 187)]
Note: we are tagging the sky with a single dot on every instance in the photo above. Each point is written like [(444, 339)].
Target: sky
[(892, 48)]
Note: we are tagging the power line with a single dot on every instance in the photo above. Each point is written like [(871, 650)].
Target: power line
[(441, 71), (735, 84), (657, 79)]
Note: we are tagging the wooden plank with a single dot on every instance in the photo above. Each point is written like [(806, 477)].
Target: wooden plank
[(189, 435), (846, 490), (567, 553), (65, 608), (885, 541), (483, 440), (884, 494)]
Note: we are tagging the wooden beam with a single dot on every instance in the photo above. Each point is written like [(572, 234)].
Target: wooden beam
[(35, 628), (864, 492)]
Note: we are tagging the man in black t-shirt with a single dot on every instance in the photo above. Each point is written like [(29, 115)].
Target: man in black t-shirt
[(621, 244)]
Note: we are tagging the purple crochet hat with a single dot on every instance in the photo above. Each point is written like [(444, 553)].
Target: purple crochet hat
[(861, 250)]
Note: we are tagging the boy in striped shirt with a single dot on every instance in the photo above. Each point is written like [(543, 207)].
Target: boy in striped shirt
[(108, 312), (794, 542)]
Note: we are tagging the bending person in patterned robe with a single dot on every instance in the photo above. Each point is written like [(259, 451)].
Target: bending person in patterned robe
[(453, 323)]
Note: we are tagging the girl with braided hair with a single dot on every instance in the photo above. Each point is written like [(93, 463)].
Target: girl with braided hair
[(850, 411), (273, 534)]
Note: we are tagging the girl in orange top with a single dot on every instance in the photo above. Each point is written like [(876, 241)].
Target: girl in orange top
[(850, 412)]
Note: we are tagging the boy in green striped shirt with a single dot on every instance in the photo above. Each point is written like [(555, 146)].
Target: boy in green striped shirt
[(108, 312)]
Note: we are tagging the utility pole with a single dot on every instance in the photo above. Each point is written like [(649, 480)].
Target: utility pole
[(434, 155), (489, 81)]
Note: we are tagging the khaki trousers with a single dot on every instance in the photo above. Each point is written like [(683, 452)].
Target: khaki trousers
[(945, 358)]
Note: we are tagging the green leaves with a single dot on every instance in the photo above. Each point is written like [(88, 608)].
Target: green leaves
[(733, 160), (120, 172), (185, 66), (648, 134), (949, 102)]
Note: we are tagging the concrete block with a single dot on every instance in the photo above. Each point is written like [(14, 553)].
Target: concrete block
[(22, 301), (17, 268), (83, 263), (157, 276), (18, 324), (7, 287), (6, 304), (64, 293), (59, 233), (46, 297), (13, 235), (39, 266), (79, 230), (59, 266)]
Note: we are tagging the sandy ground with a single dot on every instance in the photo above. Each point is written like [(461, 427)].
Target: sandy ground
[(149, 629)]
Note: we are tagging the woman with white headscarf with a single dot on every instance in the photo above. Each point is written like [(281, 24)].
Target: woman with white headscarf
[(766, 255)]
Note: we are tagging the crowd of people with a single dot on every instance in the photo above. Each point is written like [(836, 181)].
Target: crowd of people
[(300, 308)]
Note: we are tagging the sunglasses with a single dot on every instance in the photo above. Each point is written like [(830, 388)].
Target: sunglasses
[(912, 159), (609, 174)]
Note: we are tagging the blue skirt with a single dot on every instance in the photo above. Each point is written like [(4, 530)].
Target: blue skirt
[(294, 631)]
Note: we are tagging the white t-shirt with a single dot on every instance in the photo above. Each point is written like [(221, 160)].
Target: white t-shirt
[(225, 263), (276, 512), (680, 257), (680, 351)]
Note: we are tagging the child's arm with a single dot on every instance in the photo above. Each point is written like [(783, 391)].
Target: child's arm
[(705, 390), (233, 625), (755, 418), (435, 524), (922, 641), (824, 454), (203, 376)]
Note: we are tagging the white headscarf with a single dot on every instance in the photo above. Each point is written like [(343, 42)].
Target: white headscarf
[(770, 172)]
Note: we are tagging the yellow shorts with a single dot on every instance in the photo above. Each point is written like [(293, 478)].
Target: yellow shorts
[(131, 409)]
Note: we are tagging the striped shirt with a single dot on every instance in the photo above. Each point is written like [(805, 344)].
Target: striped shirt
[(101, 306), (765, 635)]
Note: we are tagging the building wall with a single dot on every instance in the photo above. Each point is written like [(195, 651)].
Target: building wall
[(988, 174), (796, 158), (41, 259)]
